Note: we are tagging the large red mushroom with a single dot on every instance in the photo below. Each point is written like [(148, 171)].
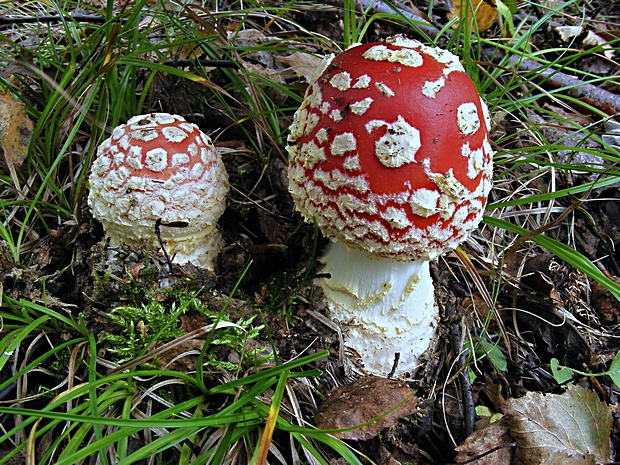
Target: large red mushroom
[(160, 170), (390, 155)]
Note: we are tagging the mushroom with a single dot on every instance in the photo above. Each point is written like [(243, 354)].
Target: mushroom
[(158, 169), (389, 153)]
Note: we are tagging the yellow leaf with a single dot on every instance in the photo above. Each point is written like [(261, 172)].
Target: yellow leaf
[(480, 13), (15, 132)]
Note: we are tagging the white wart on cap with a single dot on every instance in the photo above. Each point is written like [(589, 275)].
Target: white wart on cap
[(160, 167)]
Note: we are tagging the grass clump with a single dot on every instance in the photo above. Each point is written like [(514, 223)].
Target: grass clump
[(140, 401)]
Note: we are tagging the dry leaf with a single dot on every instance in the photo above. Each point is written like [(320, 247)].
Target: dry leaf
[(134, 269), (486, 12), (15, 132), (303, 64), (567, 429), (491, 445), (604, 302), (361, 401), (586, 38)]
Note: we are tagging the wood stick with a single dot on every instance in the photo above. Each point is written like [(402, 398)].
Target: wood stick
[(603, 99)]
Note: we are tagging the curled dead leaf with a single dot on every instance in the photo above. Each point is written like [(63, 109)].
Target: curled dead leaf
[(361, 401), (491, 445), (579, 35), (302, 64)]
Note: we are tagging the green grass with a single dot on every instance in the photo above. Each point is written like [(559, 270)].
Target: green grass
[(79, 79), (123, 407), (173, 414)]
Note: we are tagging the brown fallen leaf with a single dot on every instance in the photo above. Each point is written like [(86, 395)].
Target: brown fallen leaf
[(15, 132), (571, 428), (491, 445), (183, 357), (604, 303), (361, 401), (134, 269)]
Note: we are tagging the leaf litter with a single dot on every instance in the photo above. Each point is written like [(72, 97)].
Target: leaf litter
[(562, 429)]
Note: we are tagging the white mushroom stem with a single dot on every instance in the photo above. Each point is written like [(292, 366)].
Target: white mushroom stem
[(385, 307)]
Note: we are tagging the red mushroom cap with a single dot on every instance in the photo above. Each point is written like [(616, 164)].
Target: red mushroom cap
[(159, 167), (390, 150)]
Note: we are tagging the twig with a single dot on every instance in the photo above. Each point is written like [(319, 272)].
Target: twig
[(158, 225), (201, 62), (575, 87), (513, 249), (376, 6), (512, 445), (4, 21), (456, 340)]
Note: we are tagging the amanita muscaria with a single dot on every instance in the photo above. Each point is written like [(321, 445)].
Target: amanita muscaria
[(390, 155), (160, 168)]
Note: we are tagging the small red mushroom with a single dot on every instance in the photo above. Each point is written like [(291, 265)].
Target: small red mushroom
[(390, 154), (159, 167)]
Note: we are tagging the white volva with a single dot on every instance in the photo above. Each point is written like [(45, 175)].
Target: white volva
[(384, 306)]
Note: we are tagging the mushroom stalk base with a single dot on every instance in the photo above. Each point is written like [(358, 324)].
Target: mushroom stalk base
[(384, 307), (198, 248)]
